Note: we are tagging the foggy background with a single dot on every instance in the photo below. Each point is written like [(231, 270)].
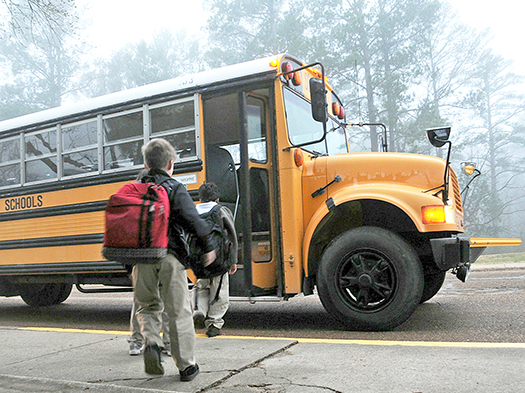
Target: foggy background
[(410, 64)]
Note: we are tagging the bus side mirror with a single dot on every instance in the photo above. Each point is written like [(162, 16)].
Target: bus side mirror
[(318, 98), (438, 136)]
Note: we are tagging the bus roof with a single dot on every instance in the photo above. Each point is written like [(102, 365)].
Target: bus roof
[(180, 83)]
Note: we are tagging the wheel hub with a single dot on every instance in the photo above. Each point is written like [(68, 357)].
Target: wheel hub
[(365, 281)]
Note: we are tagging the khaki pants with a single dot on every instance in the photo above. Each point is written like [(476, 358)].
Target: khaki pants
[(172, 274), (205, 293), (136, 335)]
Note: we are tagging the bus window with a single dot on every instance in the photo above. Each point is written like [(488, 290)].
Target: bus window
[(260, 207), (336, 138), (256, 129), (79, 148), (303, 128), (176, 123), (123, 139), (301, 125), (10, 162), (41, 155), (256, 122)]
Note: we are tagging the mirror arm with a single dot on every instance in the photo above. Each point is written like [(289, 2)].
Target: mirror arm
[(385, 140), (477, 173), (445, 176), (444, 191)]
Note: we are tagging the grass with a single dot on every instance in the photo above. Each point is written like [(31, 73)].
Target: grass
[(501, 258)]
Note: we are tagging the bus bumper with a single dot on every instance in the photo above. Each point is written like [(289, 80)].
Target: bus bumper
[(459, 253)]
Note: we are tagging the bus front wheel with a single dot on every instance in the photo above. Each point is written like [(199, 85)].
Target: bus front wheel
[(370, 278), (42, 295), (433, 283)]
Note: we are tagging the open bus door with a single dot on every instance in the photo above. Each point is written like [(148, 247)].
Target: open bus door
[(236, 131)]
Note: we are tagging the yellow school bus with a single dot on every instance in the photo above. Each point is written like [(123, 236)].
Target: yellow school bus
[(372, 233)]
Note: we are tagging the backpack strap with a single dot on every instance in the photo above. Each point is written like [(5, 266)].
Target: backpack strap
[(168, 187), (217, 211), (216, 298)]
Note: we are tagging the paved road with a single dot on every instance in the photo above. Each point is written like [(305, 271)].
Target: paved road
[(454, 343), (487, 308)]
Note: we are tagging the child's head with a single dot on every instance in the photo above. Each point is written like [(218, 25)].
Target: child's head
[(158, 153), (209, 192)]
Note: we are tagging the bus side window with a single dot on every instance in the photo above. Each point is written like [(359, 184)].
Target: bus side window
[(41, 155), (9, 161), (123, 139), (79, 147), (175, 121)]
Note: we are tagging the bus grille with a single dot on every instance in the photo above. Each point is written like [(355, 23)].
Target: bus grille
[(455, 189)]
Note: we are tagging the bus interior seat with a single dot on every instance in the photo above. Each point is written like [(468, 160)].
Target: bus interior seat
[(220, 169)]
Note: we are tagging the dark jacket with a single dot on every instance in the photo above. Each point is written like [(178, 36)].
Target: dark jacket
[(183, 215)]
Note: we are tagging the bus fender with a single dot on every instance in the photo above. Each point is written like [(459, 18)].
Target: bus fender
[(397, 196)]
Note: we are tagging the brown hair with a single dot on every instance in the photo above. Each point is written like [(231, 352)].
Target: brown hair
[(157, 153)]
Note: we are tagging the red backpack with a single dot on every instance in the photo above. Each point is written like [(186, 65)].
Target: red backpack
[(137, 224)]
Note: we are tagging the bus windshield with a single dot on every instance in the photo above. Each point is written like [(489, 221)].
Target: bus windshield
[(303, 128)]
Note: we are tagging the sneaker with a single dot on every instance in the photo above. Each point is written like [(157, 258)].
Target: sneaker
[(152, 360), (189, 373), (213, 331), (166, 350), (198, 319), (135, 348)]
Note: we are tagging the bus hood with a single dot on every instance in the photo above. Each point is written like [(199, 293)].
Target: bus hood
[(423, 173)]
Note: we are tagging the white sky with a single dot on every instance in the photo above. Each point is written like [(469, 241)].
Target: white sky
[(117, 22), (506, 20)]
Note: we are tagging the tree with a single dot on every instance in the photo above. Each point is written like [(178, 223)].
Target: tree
[(448, 58), (240, 30), (42, 58), (498, 141), (25, 15), (167, 56), (374, 47)]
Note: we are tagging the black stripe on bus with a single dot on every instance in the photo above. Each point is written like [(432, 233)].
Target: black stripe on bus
[(63, 210), (88, 207), (55, 268), (52, 242), (94, 180)]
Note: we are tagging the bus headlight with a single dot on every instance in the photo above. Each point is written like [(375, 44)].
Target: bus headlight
[(433, 214), (437, 214)]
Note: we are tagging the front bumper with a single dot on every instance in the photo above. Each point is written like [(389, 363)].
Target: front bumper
[(454, 252)]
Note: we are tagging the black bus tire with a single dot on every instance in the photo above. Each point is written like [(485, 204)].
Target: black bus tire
[(370, 278), (433, 283), (42, 295)]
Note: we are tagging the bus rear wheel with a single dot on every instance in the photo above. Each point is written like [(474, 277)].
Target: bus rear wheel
[(370, 278), (42, 295)]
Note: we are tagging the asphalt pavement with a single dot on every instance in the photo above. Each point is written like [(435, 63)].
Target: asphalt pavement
[(67, 360)]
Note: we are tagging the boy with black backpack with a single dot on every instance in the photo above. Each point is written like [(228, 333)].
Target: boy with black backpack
[(211, 295), (159, 158)]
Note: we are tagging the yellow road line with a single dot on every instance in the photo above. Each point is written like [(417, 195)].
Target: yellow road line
[(468, 344), (64, 330)]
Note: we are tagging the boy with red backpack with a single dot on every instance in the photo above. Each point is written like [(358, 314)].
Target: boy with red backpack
[(159, 157)]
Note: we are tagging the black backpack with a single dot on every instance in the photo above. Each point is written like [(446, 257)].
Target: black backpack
[(221, 242)]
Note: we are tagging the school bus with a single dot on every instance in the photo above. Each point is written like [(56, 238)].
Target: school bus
[(372, 232)]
